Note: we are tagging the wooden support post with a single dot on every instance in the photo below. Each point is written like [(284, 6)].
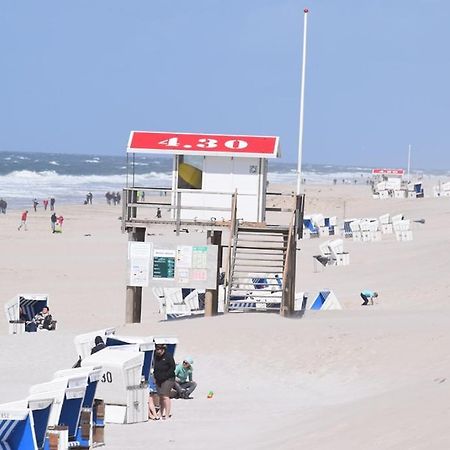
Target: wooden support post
[(133, 305), (212, 295)]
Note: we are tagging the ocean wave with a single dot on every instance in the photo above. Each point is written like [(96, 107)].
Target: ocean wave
[(24, 185), (54, 163), (92, 161)]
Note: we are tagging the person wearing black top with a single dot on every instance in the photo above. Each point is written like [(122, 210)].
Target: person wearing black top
[(99, 345), (164, 373)]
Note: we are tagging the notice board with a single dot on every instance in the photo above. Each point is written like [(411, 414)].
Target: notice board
[(172, 264)]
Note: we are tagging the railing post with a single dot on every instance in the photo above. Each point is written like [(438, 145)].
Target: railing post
[(178, 213), (133, 305), (212, 295)]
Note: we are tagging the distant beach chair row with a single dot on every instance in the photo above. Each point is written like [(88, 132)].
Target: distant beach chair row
[(71, 410), (397, 189), (372, 229), (317, 225)]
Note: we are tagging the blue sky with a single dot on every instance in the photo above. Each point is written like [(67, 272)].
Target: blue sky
[(78, 76)]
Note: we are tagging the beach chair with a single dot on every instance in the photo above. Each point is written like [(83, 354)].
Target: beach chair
[(348, 233), (30, 434), (16, 428), (30, 305), (68, 393), (338, 256), (312, 229), (385, 224), (85, 342), (121, 389), (402, 229), (86, 426), (355, 230), (145, 345), (170, 342)]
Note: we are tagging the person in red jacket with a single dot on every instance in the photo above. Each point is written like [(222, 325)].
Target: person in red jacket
[(23, 222)]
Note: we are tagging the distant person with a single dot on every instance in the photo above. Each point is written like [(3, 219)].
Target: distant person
[(52, 203), (45, 203), (53, 220), (158, 213), (367, 295), (3, 206), (164, 373), (108, 197), (184, 385), (59, 224), (99, 345), (89, 197), (35, 203), (118, 197), (23, 221), (334, 181)]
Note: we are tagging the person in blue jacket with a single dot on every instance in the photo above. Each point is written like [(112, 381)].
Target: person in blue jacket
[(367, 295)]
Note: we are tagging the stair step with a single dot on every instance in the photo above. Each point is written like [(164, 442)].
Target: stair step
[(274, 230), (241, 258), (260, 248), (259, 266)]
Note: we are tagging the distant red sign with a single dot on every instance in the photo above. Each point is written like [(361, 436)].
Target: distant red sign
[(203, 144), (388, 171)]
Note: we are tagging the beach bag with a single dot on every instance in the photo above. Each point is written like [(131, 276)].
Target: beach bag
[(31, 327)]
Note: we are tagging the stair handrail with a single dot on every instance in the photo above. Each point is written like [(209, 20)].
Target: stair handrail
[(231, 248), (288, 280)]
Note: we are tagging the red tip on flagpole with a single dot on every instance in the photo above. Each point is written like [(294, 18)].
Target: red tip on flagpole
[(306, 10)]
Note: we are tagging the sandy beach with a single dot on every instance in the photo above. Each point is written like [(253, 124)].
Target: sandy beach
[(376, 377)]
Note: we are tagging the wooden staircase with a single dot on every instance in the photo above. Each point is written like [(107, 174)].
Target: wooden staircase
[(257, 263)]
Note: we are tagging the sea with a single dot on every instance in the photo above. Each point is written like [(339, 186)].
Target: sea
[(69, 177)]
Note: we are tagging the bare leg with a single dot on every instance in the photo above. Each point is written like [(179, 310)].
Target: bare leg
[(165, 407), (152, 414)]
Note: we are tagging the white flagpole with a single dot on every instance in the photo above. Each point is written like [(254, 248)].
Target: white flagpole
[(302, 100), (409, 160)]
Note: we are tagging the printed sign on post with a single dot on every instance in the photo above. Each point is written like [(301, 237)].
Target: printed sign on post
[(164, 264)]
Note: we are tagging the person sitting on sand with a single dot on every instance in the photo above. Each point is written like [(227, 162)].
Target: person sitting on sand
[(183, 378), (368, 296)]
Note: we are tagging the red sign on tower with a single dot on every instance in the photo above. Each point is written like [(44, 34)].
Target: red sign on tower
[(203, 144)]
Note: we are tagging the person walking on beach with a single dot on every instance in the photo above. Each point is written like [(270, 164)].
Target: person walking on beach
[(3, 206), (23, 220), (367, 295), (52, 203), (158, 213), (35, 203), (53, 220), (45, 203), (164, 373)]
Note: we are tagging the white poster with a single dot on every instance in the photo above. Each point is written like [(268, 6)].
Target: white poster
[(184, 256), (139, 254)]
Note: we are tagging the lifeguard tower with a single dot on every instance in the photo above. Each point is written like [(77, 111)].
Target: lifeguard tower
[(219, 183)]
